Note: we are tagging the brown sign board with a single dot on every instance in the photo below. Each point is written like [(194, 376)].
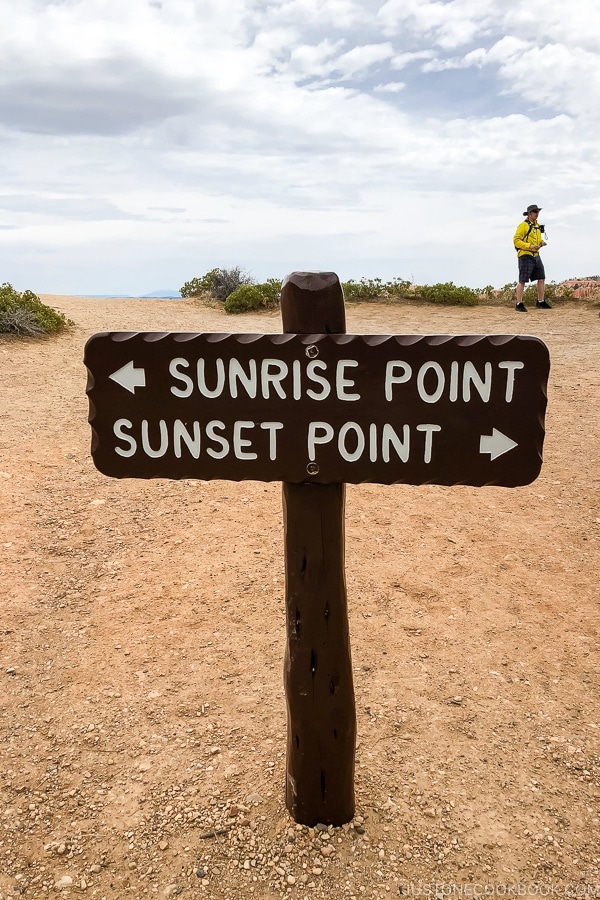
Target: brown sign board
[(322, 408)]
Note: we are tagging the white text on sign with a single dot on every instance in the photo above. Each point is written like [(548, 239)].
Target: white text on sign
[(317, 380), (217, 441)]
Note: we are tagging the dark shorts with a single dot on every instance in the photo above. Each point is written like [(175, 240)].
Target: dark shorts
[(531, 268)]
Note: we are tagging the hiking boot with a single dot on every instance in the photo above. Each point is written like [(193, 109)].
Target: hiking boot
[(520, 307), (541, 304)]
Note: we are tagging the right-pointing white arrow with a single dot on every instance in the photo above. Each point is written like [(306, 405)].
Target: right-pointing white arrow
[(496, 444), (129, 377)]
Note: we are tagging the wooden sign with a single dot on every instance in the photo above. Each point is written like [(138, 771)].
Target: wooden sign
[(314, 408), (322, 408)]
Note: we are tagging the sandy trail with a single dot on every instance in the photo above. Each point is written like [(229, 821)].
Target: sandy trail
[(142, 636)]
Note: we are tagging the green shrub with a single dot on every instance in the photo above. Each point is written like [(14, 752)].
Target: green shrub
[(25, 314), (553, 292), (217, 283), (192, 288), (240, 294), (448, 293), (365, 289), (254, 296), (375, 289), (506, 294)]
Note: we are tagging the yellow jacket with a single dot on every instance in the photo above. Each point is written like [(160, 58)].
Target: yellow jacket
[(523, 241)]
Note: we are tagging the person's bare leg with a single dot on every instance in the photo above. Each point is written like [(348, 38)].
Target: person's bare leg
[(540, 289)]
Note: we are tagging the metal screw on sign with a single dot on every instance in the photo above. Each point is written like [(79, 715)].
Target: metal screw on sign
[(312, 352)]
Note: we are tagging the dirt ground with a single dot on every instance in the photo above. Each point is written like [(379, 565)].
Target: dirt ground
[(142, 632)]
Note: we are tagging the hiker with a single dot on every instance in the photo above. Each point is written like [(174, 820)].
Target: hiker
[(528, 240)]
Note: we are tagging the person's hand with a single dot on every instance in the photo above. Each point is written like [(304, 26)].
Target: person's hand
[(544, 244), (535, 247)]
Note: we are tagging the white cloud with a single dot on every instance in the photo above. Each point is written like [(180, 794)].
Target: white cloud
[(183, 133), (449, 25), (401, 60), (361, 58), (315, 60), (391, 87), (574, 24), (551, 75), (474, 59), (339, 14)]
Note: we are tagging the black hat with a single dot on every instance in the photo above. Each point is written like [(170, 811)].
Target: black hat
[(533, 208)]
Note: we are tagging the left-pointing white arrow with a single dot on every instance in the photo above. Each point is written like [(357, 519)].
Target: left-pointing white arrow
[(129, 377), (496, 444)]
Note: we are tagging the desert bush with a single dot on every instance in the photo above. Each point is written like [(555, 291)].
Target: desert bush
[(217, 283), (19, 320), (25, 314), (448, 293), (554, 293), (254, 296), (192, 288), (240, 294), (375, 289), (506, 294)]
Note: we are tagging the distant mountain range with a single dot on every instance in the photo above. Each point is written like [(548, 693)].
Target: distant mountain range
[(161, 295), (155, 295)]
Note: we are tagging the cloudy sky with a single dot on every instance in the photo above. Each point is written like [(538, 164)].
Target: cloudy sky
[(145, 142)]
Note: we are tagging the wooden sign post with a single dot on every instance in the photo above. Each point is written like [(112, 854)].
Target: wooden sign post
[(316, 408), (321, 730)]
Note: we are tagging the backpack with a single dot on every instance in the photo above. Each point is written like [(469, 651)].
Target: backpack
[(531, 225)]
